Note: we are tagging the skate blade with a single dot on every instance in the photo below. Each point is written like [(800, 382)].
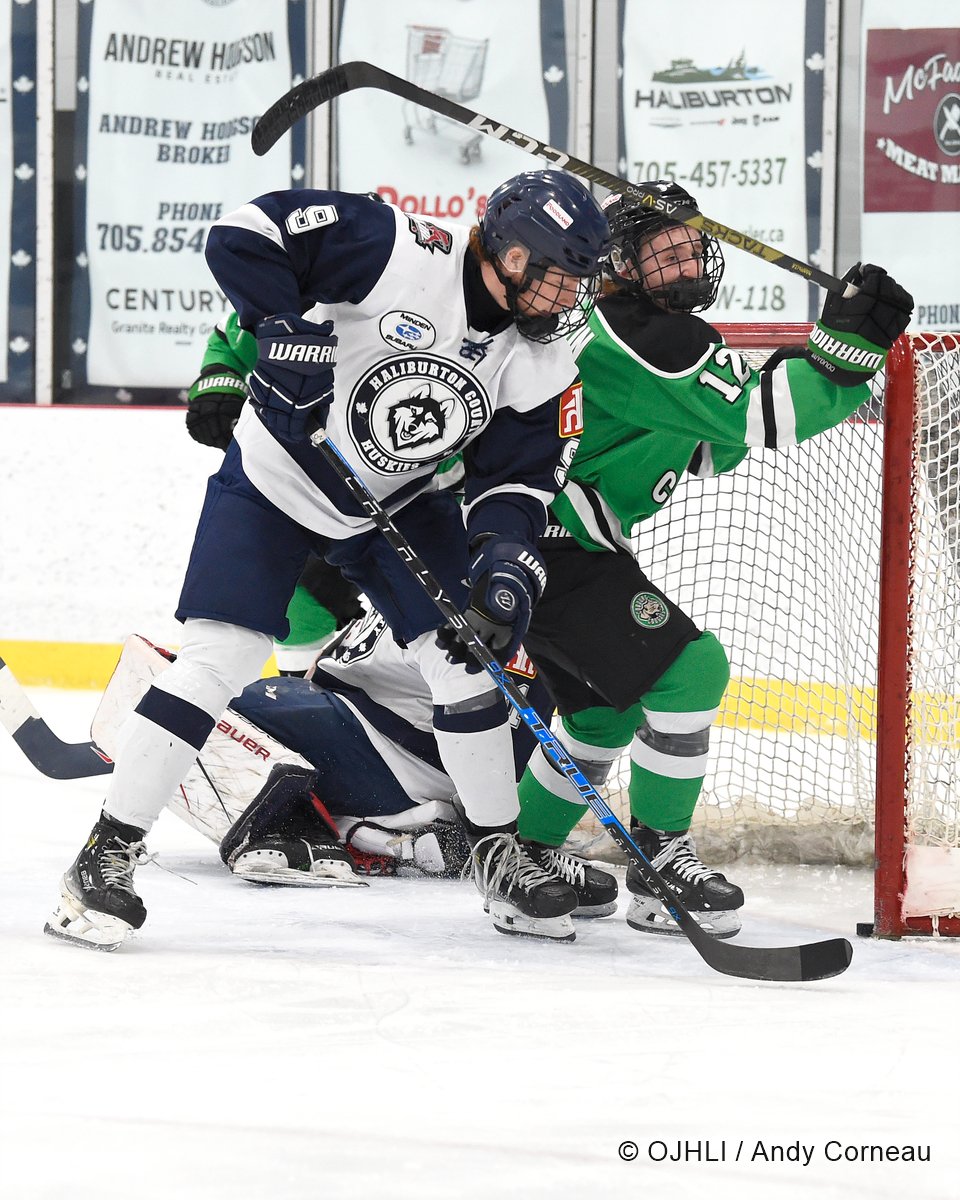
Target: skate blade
[(507, 919), (80, 926), (289, 877), (651, 917), (586, 912)]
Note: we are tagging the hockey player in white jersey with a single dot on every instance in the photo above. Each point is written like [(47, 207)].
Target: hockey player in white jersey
[(407, 341)]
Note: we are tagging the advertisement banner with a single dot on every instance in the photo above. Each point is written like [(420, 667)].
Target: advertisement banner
[(503, 59), (167, 97), (18, 199), (732, 109), (911, 154)]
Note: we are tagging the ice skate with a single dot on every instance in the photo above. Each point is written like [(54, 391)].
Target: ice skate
[(285, 836), (518, 894), (596, 890), (707, 894), (297, 862), (98, 906)]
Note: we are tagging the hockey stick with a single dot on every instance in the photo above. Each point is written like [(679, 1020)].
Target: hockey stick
[(816, 960), (51, 755), (305, 97)]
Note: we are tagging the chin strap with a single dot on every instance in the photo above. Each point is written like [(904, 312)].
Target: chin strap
[(529, 327)]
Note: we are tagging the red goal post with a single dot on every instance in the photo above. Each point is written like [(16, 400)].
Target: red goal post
[(830, 572)]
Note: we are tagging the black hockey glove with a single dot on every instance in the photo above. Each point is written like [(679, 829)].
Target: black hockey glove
[(849, 342), (292, 383), (213, 406), (507, 579)]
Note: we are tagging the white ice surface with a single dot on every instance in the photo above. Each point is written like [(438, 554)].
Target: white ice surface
[(387, 1042)]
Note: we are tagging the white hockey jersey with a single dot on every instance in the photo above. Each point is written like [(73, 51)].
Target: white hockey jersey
[(415, 381)]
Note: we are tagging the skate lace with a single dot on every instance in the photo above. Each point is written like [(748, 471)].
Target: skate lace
[(117, 863), (569, 869), (505, 859), (680, 855)]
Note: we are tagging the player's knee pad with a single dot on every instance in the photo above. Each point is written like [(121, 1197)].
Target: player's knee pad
[(692, 744), (486, 711), (596, 769)]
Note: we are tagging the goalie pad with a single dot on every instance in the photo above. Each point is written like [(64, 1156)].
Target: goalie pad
[(230, 771)]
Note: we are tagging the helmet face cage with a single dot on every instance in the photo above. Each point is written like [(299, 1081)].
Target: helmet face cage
[(638, 268), (542, 280)]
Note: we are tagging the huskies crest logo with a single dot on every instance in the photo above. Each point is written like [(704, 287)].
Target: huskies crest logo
[(417, 420), (431, 237), (415, 410)]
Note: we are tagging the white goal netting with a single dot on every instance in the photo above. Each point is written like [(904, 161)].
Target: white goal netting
[(781, 560)]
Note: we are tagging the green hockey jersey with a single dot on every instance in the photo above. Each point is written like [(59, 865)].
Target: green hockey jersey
[(662, 395)]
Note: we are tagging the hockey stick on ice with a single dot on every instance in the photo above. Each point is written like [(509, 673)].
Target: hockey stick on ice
[(817, 960), (305, 97), (49, 754)]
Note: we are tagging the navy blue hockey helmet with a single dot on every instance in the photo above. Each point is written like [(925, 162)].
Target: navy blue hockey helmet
[(637, 268), (554, 217)]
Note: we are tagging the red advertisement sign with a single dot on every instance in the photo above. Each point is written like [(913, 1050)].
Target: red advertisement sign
[(911, 148)]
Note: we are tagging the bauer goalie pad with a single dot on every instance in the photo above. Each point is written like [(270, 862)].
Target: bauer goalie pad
[(231, 769)]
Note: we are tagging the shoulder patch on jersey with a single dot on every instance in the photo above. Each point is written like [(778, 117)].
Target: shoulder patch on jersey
[(571, 411), (314, 216), (413, 410), (522, 664), (431, 237)]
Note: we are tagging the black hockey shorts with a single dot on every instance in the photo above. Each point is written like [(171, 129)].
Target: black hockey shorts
[(602, 634)]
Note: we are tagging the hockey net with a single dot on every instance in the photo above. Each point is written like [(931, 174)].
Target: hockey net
[(830, 572)]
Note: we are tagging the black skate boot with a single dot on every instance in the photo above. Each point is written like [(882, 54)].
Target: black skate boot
[(596, 890), (707, 894), (98, 906), (286, 836), (520, 896)]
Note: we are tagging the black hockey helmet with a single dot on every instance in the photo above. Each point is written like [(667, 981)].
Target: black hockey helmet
[(633, 266), (553, 216)]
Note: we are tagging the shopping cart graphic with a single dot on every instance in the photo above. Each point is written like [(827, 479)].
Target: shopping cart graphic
[(449, 66)]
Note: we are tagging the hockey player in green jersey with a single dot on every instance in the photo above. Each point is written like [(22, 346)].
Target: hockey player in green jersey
[(662, 395)]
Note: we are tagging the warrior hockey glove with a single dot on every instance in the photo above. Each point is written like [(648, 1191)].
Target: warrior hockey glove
[(213, 406), (292, 383), (849, 342), (507, 579)]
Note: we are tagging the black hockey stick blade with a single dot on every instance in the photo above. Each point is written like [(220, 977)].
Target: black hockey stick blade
[(818, 960), (48, 753), (788, 964), (281, 116)]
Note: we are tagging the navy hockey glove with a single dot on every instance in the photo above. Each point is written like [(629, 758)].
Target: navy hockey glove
[(849, 342), (507, 579), (292, 383), (213, 406)]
